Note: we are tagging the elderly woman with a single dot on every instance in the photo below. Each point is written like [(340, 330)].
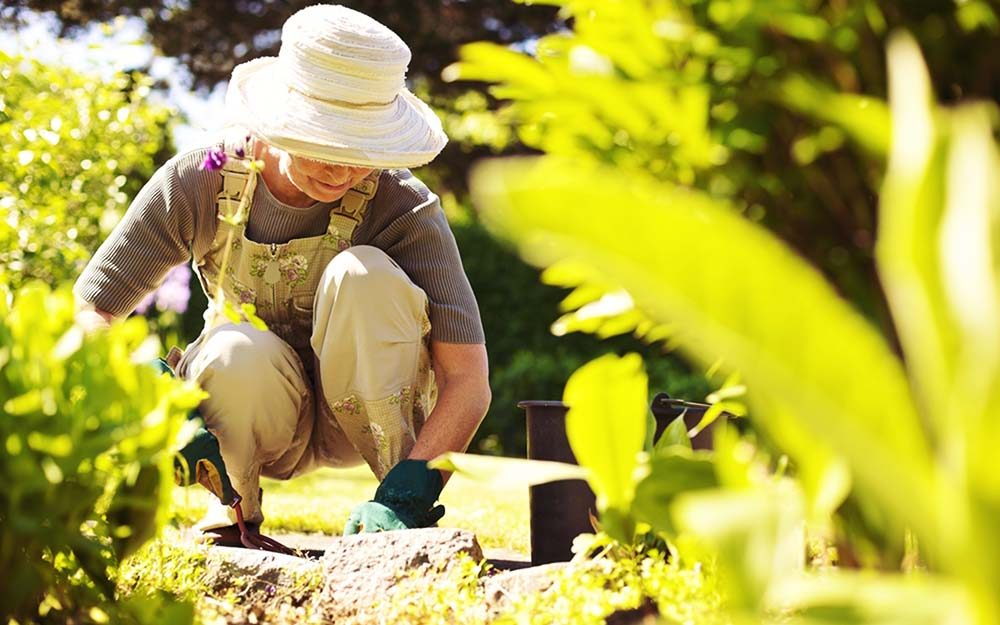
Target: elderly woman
[(374, 350)]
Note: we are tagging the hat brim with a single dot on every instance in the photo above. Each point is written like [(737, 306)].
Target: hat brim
[(402, 133)]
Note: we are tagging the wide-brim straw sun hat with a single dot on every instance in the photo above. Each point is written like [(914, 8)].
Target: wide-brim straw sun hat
[(337, 92)]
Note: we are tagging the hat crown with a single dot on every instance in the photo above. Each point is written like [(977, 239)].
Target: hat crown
[(333, 53)]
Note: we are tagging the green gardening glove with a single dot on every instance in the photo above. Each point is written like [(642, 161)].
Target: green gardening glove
[(404, 500), (200, 460)]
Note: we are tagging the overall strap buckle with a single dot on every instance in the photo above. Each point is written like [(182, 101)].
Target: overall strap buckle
[(353, 206), (234, 180)]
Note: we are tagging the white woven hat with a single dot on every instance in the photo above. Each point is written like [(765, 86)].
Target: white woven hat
[(336, 92)]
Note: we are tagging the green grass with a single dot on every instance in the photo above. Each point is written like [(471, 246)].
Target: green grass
[(628, 578), (320, 502)]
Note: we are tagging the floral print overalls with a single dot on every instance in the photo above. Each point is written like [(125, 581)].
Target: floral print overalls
[(281, 281)]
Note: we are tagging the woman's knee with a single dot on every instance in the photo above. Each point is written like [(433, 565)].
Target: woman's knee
[(240, 352), (244, 369), (365, 279), (359, 271)]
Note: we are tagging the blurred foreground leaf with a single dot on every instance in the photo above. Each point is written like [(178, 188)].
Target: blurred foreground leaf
[(737, 294), (507, 472)]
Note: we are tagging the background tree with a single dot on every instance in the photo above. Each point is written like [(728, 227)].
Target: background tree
[(210, 38)]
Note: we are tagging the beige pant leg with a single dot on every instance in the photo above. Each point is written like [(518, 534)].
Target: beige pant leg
[(259, 407), (374, 373)]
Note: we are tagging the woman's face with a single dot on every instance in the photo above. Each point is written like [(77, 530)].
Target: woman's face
[(322, 181)]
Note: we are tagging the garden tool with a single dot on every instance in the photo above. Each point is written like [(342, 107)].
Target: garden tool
[(404, 500), (200, 460)]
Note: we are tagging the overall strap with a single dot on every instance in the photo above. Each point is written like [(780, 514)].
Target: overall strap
[(353, 206), (234, 181)]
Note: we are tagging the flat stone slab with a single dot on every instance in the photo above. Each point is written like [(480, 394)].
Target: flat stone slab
[(501, 589), (315, 545), (253, 571), (345, 578), (359, 571)]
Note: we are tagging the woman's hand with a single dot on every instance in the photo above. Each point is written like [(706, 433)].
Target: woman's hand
[(92, 319)]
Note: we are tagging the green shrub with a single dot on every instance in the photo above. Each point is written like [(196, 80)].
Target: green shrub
[(87, 467), (71, 171), (76, 149)]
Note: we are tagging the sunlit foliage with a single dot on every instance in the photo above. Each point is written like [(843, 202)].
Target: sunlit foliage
[(75, 150), (776, 106), (912, 439), (86, 463)]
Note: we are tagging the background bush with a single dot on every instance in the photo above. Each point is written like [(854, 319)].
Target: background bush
[(75, 150)]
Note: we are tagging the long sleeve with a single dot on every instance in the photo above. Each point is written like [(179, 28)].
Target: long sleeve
[(155, 235), (421, 241)]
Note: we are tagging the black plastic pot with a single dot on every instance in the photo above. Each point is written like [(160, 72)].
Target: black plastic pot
[(559, 510), (562, 510)]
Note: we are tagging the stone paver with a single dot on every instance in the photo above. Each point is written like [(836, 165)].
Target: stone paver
[(359, 571), (345, 577)]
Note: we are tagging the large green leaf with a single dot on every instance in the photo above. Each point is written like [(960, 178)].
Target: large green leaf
[(507, 472), (756, 533), (908, 242), (606, 424), (736, 293), (674, 434), (867, 598), (938, 253), (672, 472)]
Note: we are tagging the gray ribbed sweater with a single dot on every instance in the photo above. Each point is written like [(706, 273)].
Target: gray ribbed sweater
[(173, 219)]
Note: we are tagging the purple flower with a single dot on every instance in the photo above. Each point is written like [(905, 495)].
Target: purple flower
[(215, 158), (175, 291), (145, 303), (240, 153), (173, 294)]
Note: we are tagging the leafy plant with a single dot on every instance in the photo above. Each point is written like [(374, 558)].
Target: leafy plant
[(87, 467), (915, 437)]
